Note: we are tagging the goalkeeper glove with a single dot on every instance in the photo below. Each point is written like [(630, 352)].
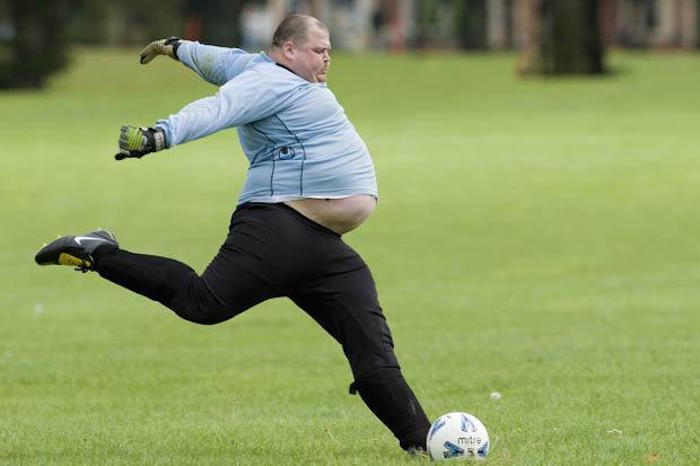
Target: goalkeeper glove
[(160, 47), (138, 141)]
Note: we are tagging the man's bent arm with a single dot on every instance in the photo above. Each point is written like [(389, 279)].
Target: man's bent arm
[(214, 64)]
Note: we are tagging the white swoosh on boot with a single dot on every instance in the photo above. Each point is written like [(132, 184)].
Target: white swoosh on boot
[(79, 239)]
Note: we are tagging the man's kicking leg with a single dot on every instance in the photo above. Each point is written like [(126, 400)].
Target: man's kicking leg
[(224, 290)]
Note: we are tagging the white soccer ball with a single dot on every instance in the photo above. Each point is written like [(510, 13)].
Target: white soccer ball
[(457, 436)]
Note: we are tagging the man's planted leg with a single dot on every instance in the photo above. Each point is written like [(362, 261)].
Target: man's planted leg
[(346, 306)]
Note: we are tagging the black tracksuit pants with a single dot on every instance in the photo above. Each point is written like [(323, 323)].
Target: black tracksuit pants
[(272, 251)]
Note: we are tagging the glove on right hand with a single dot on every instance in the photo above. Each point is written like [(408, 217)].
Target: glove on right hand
[(138, 141)]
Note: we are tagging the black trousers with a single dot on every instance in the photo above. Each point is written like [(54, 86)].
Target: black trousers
[(272, 251)]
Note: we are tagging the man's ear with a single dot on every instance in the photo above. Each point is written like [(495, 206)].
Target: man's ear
[(288, 49)]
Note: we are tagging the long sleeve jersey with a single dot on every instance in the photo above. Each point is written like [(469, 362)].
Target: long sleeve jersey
[(296, 136)]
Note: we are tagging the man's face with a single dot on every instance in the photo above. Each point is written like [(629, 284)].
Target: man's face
[(311, 58)]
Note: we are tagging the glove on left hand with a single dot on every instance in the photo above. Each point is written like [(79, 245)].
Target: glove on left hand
[(160, 47), (139, 141)]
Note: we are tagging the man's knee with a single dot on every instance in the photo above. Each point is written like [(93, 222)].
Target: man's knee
[(199, 313), (199, 304)]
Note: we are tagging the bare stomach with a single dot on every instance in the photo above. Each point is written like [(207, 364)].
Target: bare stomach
[(339, 215)]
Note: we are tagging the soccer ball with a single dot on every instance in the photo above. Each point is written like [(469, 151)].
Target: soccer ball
[(457, 436)]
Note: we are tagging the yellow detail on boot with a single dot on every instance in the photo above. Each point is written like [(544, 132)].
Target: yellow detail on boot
[(67, 259)]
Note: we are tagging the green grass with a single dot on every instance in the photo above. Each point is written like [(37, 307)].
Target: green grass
[(534, 237)]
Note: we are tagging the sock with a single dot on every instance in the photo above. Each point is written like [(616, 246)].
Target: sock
[(389, 397), (158, 278)]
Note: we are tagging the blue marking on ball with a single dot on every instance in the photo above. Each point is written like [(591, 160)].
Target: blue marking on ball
[(453, 451), (437, 426)]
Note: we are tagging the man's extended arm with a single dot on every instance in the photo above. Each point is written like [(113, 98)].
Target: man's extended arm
[(216, 65)]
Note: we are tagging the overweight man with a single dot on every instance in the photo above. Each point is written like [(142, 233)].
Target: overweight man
[(310, 180)]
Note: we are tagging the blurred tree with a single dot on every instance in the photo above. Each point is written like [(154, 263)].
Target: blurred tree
[(470, 23), (37, 46), (34, 34), (125, 22), (91, 22), (564, 38)]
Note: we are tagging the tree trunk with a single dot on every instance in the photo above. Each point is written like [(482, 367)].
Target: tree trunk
[(470, 22), (565, 38), (697, 22), (218, 21)]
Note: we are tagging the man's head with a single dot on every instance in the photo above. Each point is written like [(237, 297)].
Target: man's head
[(302, 44)]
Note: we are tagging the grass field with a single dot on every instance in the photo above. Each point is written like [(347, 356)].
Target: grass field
[(536, 238)]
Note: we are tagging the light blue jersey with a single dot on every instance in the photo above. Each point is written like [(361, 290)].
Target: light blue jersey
[(296, 136)]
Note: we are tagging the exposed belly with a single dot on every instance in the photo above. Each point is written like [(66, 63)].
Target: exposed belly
[(339, 215)]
